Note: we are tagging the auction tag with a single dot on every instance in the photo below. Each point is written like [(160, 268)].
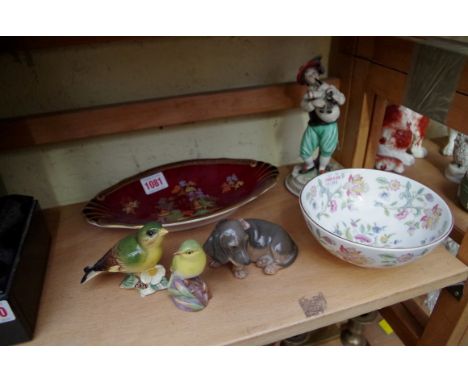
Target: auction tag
[(6, 314), (154, 183)]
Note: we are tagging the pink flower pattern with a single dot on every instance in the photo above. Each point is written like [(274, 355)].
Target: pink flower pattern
[(354, 256), (363, 238), (405, 258), (402, 214), (355, 186), (431, 217)]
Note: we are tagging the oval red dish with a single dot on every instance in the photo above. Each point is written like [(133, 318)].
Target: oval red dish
[(182, 195)]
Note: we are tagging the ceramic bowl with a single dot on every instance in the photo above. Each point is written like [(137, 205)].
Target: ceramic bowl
[(373, 218)]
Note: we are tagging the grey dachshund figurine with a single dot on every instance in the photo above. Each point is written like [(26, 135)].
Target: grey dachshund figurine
[(246, 241)]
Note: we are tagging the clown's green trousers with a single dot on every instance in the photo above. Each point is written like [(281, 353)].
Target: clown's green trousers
[(317, 139)]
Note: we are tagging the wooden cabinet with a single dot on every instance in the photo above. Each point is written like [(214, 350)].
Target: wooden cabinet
[(376, 71), (260, 309)]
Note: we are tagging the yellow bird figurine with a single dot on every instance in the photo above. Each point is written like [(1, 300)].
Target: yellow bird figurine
[(135, 253), (188, 291), (189, 261)]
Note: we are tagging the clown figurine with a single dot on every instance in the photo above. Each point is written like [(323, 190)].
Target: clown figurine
[(322, 101)]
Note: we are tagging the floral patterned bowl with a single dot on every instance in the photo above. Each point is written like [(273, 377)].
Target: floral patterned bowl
[(374, 219)]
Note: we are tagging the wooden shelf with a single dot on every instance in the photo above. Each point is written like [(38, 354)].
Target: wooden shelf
[(258, 310), (134, 116), (430, 172)]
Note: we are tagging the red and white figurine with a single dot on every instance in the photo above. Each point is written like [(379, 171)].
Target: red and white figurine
[(403, 132)]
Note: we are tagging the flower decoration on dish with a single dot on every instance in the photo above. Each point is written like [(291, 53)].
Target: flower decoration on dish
[(231, 183), (129, 206), (190, 200)]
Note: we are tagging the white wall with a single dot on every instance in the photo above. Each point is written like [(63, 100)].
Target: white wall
[(73, 172), (92, 75)]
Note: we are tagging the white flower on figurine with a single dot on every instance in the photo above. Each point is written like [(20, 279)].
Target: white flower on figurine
[(153, 276)]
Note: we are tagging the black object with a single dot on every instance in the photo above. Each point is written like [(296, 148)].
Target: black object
[(456, 290), (24, 249)]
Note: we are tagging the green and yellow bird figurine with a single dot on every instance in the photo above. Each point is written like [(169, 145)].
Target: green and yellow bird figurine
[(188, 291), (189, 261), (138, 255)]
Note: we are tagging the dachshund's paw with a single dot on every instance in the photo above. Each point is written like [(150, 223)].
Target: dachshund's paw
[(271, 269), (263, 261), (240, 273)]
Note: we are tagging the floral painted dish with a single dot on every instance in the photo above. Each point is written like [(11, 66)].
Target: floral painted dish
[(182, 195), (374, 218)]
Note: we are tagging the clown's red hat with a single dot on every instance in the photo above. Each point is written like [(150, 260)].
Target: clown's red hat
[(314, 63)]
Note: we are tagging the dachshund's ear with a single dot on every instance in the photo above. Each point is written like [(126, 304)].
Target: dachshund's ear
[(208, 247), (221, 247), (244, 224)]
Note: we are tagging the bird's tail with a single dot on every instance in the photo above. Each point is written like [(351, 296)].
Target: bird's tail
[(89, 274)]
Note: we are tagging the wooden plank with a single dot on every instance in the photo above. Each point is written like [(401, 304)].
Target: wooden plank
[(391, 52), (403, 323), (344, 45), (375, 132), (257, 310), (464, 340), (417, 309), (366, 79), (457, 117), (387, 83), (341, 66), (376, 336), (408, 319), (396, 53), (365, 47), (430, 171), (449, 320), (463, 83), (359, 155), (358, 117), (66, 126)]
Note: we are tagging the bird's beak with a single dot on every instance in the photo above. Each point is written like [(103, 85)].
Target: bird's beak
[(177, 253), (163, 231)]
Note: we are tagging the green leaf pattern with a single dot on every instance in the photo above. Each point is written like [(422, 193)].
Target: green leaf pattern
[(414, 207)]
